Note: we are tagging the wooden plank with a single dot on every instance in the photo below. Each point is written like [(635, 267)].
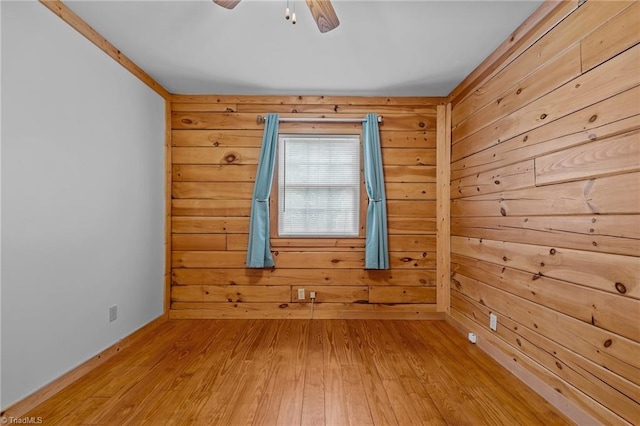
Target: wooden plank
[(402, 294), (620, 355), (606, 195), (615, 76), (307, 277), (302, 100), (617, 234), (347, 260), (197, 242), (225, 156), (608, 272), (213, 173), (588, 305), (373, 386), (209, 259), (411, 208), (409, 173), (409, 122), (355, 399), (397, 242), (547, 16), (209, 225), (258, 374), (333, 109), (231, 293), (217, 138), (412, 243), (313, 403), (416, 311), (599, 158), (408, 157), (248, 121), (443, 214), (410, 191), (319, 259), (551, 75), (514, 176), (78, 24), (258, 310), (328, 243), (410, 225), (599, 121), (283, 259), (214, 120), (399, 139), (323, 128), (332, 294), (320, 247), (190, 207), (615, 36), (290, 408), (412, 260), (210, 107), (213, 190)]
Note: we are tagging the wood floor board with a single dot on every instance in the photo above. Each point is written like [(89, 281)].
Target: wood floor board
[(379, 403), (299, 372), (313, 413)]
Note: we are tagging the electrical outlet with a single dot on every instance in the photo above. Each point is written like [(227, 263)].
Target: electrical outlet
[(493, 322), (473, 338), (113, 313), (312, 295), (301, 295)]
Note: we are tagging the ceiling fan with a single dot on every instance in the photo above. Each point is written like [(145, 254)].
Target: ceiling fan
[(322, 11)]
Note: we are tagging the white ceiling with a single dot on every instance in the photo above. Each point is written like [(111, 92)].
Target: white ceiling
[(381, 48)]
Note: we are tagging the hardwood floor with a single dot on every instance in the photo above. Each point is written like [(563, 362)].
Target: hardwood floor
[(300, 372)]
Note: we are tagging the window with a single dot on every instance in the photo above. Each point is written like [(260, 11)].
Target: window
[(318, 186)]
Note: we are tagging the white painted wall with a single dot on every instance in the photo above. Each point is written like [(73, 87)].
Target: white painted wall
[(82, 200)]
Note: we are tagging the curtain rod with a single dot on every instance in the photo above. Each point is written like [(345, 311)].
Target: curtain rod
[(262, 119)]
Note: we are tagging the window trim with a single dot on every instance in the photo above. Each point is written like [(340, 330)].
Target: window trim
[(277, 239)]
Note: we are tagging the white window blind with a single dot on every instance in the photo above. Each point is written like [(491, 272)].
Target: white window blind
[(318, 186)]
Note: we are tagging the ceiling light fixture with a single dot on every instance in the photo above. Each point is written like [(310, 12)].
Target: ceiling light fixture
[(322, 11), (293, 17)]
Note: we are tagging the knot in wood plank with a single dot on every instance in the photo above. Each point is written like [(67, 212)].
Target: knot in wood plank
[(621, 288)]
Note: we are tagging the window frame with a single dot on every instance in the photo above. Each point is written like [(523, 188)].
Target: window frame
[(274, 199)]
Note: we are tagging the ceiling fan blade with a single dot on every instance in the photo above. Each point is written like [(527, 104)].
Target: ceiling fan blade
[(324, 14), (227, 4)]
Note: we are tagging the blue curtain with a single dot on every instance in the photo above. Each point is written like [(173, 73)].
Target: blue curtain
[(376, 245), (259, 252)]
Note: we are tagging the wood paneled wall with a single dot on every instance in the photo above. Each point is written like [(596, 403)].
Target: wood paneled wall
[(215, 148), (545, 188)]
